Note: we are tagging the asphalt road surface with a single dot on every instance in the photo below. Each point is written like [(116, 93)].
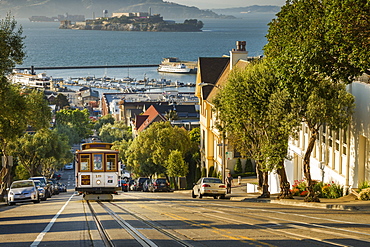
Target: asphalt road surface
[(175, 219)]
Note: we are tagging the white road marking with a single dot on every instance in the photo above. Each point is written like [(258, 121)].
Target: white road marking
[(48, 227)]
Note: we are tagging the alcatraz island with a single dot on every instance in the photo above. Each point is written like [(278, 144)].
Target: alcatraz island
[(137, 21)]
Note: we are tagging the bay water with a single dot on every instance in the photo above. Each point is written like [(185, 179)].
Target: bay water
[(48, 46)]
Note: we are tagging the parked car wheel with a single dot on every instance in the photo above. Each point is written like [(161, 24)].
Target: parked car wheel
[(193, 195), (11, 203), (37, 201), (200, 195)]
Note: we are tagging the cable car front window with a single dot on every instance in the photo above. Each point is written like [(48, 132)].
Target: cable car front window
[(98, 162), (111, 162), (85, 163)]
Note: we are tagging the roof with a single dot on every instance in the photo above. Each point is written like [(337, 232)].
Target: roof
[(241, 64), (210, 69), (149, 116)]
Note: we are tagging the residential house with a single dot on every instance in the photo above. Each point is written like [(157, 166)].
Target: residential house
[(211, 76), (341, 157)]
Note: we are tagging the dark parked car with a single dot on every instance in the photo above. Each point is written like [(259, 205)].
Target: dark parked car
[(57, 176), (159, 184), (124, 184), (138, 184)]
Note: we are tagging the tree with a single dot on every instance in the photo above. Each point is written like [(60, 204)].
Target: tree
[(75, 122), (115, 132), (150, 150), (11, 43), (316, 47), (61, 101), (106, 119), (193, 157), (238, 169), (255, 114), (176, 166), (12, 121), (42, 152)]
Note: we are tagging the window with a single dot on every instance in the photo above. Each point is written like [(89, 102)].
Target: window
[(85, 162), (98, 162), (111, 162)]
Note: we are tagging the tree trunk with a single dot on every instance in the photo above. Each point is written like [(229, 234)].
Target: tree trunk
[(311, 197), (5, 178), (285, 192), (265, 186), (259, 176)]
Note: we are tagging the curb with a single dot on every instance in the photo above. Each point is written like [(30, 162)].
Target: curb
[(297, 203)]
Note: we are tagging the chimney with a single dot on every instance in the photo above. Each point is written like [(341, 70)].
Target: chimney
[(238, 53)]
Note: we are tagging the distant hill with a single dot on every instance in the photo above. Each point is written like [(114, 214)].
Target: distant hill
[(242, 11), (94, 8)]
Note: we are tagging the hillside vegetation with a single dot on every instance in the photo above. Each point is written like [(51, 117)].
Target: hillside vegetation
[(94, 8)]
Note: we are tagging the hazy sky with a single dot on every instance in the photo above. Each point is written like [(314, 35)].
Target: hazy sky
[(214, 4)]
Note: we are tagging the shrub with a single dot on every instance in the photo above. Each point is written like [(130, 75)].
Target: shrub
[(238, 166), (214, 173), (249, 166), (332, 190), (364, 185), (204, 172), (364, 194), (210, 171)]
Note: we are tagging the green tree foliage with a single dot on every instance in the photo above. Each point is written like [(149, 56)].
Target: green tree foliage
[(316, 47), (75, 124), (42, 152), (238, 169), (176, 166), (11, 46), (107, 119), (249, 166), (193, 157), (256, 115), (149, 152), (115, 132), (61, 101), (211, 171)]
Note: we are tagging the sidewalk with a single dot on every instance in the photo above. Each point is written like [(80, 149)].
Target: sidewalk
[(349, 202), (239, 193)]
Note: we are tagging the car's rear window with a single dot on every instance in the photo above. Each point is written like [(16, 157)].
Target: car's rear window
[(212, 180), (161, 180), (22, 184)]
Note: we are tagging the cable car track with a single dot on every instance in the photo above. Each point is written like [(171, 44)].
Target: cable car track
[(132, 231)]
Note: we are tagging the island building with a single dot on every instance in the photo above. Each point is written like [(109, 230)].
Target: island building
[(342, 157)]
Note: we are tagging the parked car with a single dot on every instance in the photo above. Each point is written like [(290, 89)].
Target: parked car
[(139, 183), (23, 191), (48, 188), (159, 184), (68, 166), (209, 187), (62, 187), (124, 184), (57, 176), (146, 185), (54, 185), (40, 187)]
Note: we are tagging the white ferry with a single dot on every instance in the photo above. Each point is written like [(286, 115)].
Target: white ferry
[(26, 78), (175, 68)]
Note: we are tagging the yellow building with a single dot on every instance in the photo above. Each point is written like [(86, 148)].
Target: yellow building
[(211, 76)]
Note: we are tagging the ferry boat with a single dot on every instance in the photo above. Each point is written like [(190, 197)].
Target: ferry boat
[(175, 68), (174, 65)]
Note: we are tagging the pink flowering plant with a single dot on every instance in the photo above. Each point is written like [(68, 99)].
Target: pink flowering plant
[(322, 190)]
